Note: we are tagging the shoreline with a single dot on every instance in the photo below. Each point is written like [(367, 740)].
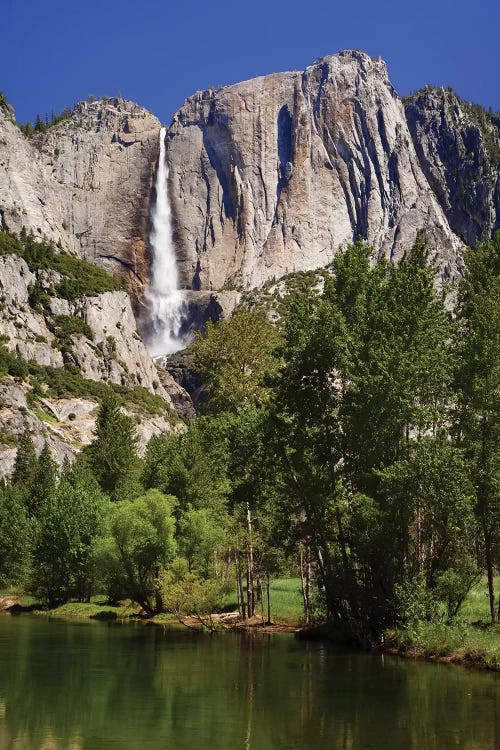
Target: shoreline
[(466, 661), (229, 622)]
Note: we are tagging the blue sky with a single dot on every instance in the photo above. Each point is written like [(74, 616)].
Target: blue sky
[(55, 52)]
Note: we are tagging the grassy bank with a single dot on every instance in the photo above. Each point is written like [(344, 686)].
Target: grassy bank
[(286, 602), (471, 641), (286, 605)]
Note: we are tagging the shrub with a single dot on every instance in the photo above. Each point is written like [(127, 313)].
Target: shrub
[(80, 278), (66, 326)]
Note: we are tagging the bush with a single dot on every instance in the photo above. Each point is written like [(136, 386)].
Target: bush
[(80, 278), (453, 586), (66, 326), (11, 363)]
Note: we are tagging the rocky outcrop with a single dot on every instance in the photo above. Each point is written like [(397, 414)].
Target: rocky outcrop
[(458, 146), (24, 329), (272, 175), (114, 353), (85, 183), (201, 307), (66, 425), (267, 177), (179, 367)]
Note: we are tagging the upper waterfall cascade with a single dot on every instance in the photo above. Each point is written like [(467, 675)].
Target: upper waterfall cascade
[(165, 298)]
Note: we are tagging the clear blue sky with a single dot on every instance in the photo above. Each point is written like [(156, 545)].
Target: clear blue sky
[(55, 52)]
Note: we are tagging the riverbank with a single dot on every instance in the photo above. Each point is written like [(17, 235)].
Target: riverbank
[(286, 610), (471, 642), (472, 646)]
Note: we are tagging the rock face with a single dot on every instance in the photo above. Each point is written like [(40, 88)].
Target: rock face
[(272, 175), (267, 177), (66, 425), (95, 337), (85, 183), (458, 146), (114, 354)]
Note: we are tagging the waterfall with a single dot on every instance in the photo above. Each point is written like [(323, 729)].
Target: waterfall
[(165, 299)]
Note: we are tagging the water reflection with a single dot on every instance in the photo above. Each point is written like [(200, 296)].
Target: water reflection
[(90, 686)]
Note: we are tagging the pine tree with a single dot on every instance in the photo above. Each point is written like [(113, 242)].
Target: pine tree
[(112, 455), (26, 461), (43, 484)]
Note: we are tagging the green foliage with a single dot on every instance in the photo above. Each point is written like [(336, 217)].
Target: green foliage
[(367, 369), (65, 327), (201, 537), (191, 465), (235, 357), (37, 298), (453, 586), (15, 537), (428, 498), (186, 594), (7, 438), (10, 244), (69, 524), (11, 363), (26, 461), (112, 454), (142, 534), (478, 387), (357, 446), (43, 483)]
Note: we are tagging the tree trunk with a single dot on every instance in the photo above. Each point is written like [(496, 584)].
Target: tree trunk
[(308, 582), (260, 592), (250, 597), (268, 591), (303, 584), (239, 585), (490, 573)]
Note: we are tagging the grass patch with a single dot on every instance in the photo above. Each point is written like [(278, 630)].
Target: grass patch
[(472, 639), (286, 601), (7, 438), (476, 607), (45, 416), (97, 609)]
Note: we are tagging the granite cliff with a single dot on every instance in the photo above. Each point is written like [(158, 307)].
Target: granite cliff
[(85, 183), (458, 146), (272, 175), (266, 177)]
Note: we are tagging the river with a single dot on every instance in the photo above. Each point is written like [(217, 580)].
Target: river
[(82, 685)]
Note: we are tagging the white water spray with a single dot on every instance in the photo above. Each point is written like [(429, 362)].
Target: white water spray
[(166, 300)]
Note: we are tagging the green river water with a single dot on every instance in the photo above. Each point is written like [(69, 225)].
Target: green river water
[(84, 685)]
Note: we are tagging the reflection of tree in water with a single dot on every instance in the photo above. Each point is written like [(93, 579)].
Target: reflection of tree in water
[(90, 686)]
